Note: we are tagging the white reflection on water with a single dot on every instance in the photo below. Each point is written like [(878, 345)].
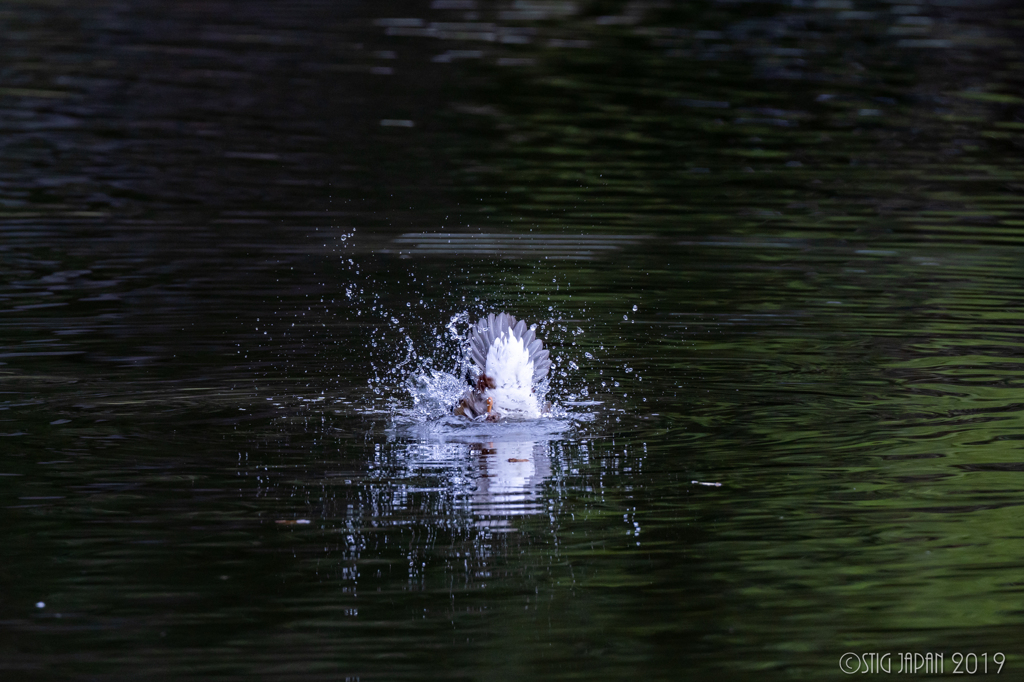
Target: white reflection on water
[(509, 476), (492, 473)]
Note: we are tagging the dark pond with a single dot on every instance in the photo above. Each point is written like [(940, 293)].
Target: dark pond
[(776, 249)]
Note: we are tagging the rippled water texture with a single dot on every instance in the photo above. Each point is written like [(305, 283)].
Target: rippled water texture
[(775, 249)]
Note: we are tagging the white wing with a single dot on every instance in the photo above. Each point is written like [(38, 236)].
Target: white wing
[(491, 328)]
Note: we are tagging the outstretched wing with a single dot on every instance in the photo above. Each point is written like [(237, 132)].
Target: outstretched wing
[(492, 327)]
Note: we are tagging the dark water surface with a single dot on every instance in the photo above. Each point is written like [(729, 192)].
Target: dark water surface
[(776, 248)]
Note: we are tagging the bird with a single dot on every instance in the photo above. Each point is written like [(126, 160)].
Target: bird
[(510, 362)]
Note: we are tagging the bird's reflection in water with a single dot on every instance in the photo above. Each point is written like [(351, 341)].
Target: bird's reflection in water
[(487, 480), (508, 477)]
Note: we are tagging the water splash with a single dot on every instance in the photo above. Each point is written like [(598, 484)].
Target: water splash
[(432, 383), (434, 394)]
